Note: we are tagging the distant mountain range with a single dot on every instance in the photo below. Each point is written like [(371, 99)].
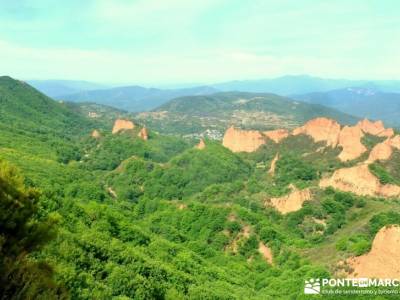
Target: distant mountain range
[(57, 88), (301, 84), (349, 96), (361, 102), (135, 98)]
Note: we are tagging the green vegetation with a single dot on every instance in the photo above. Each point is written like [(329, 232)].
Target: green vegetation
[(119, 217), (371, 140), (388, 171), (383, 175), (186, 174), (22, 231), (192, 115)]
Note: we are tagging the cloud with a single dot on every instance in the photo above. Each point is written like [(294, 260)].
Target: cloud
[(210, 40), (207, 65)]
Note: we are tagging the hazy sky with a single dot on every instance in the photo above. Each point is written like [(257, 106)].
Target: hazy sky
[(165, 41)]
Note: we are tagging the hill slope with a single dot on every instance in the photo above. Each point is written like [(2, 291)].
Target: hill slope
[(25, 108), (197, 114), (361, 102), (158, 218), (31, 120), (135, 98)]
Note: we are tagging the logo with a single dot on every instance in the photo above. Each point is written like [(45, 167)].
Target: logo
[(351, 286), (312, 286)]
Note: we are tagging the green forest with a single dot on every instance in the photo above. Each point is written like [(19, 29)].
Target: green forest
[(119, 217)]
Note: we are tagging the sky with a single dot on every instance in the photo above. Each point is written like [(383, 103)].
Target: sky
[(187, 41)]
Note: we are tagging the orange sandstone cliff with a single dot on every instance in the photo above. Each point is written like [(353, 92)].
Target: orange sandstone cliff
[(96, 134), (121, 125), (321, 130), (395, 142), (350, 141), (265, 251), (143, 134), (291, 202), (375, 128), (383, 259), (381, 151), (277, 135), (238, 140), (360, 181), (348, 137), (201, 145)]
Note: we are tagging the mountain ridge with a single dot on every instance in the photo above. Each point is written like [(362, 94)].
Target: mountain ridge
[(135, 98), (364, 102), (216, 112), (301, 84)]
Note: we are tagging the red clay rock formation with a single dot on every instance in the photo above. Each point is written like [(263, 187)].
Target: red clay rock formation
[(273, 164), (265, 251), (349, 138), (321, 130), (291, 202), (383, 259), (395, 142), (96, 134), (121, 125), (375, 128), (242, 140), (143, 134), (277, 135), (360, 181), (201, 145), (381, 151), (350, 141)]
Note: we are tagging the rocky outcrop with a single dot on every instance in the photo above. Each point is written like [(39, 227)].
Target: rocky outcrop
[(375, 128), (383, 259), (238, 140), (201, 145), (291, 202), (321, 130), (121, 125), (348, 137), (277, 135), (360, 181), (143, 134), (350, 141), (381, 151), (384, 150), (395, 142), (95, 134), (273, 165), (242, 140), (265, 251)]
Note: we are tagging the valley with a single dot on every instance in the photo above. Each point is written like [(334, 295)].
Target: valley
[(148, 206)]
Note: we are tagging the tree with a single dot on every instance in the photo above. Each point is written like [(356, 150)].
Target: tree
[(21, 234)]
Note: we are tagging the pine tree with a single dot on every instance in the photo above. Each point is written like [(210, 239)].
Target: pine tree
[(21, 233)]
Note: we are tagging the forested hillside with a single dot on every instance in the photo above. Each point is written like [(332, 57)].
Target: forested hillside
[(135, 214), (210, 115)]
